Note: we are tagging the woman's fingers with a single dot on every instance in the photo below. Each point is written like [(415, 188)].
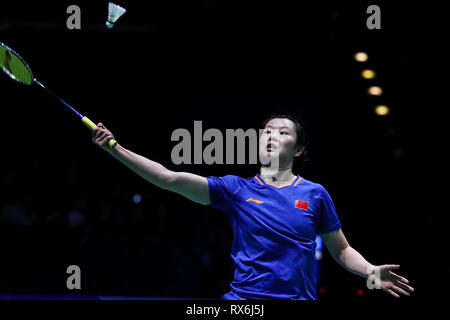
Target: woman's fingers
[(397, 277), (392, 293), (101, 135), (98, 135), (403, 286), (104, 139), (391, 266), (401, 281), (400, 290)]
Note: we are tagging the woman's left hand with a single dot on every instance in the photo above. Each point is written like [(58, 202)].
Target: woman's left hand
[(389, 281)]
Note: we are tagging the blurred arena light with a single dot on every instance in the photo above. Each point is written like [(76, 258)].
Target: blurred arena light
[(137, 198), (368, 74), (361, 56), (381, 110), (375, 91)]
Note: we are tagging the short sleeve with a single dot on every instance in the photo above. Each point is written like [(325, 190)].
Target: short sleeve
[(327, 216), (221, 191)]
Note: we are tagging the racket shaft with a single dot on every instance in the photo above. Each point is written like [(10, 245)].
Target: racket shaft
[(58, 98), (87, 122)]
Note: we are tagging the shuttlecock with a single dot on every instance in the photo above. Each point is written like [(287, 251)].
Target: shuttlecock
[(114, 13)]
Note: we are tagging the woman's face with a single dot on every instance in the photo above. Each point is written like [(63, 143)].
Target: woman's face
[(278, 139)]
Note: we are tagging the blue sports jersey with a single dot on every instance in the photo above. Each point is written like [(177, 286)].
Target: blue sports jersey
[(274, 234)]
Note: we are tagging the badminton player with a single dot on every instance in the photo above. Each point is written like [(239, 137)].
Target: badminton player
[(275, 215)]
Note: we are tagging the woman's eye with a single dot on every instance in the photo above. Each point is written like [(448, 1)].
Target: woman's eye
[(284, 132)]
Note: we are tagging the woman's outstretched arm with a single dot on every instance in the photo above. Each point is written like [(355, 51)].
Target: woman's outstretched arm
[(191, 186), (353, 261)]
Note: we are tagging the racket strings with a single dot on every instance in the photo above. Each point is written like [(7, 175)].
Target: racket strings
[(15, 67)]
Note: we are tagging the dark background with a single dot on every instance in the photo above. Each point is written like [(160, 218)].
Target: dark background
[(230, 64)]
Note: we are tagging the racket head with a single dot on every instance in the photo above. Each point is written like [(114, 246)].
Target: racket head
[(14, 66)]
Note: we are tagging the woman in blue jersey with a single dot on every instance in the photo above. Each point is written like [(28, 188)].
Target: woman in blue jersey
[(275, 215)]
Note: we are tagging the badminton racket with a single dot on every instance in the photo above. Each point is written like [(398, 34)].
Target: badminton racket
[(16, 68)]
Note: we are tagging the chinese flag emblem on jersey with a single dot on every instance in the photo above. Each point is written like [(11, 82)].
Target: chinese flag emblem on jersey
[(301, 204)]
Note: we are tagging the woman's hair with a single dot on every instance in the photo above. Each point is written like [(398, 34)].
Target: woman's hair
[(300, 143)]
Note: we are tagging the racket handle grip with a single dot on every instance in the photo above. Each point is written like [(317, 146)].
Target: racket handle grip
[(91, 125)]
